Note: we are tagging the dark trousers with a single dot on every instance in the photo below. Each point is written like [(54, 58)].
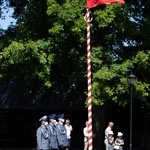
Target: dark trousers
[(62, 148)]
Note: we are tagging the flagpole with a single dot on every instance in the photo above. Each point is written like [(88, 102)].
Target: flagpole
[(91, 4), (90, 132)]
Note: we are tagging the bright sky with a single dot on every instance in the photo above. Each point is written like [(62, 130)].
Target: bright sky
[(4, 23)]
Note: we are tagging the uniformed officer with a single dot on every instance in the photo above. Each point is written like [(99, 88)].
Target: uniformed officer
[(61, 132), (42, 135), (53, 143)]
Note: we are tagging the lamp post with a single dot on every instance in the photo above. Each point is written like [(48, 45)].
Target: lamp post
[(131, 79)]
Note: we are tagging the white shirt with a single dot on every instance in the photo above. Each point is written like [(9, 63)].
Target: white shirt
[(68, 129), (106, 131), (85, 131)]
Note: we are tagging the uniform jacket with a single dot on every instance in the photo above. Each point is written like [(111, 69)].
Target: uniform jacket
[(53, 142), (42, 138), (61, 134)]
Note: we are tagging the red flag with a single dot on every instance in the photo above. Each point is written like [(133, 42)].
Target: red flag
[(94, 3)]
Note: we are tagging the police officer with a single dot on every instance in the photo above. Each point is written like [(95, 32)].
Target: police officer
[(53, 143), (42, 135), (61, 132)]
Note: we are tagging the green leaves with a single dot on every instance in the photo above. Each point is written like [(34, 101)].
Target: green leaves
[(142, 90), (66, 18), (142, 58), (110, 84), (13, 53), (119, 42), (107, 15), (33, 58), (56, 29)]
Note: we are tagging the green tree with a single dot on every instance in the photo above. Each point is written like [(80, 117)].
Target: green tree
[(30, 61)]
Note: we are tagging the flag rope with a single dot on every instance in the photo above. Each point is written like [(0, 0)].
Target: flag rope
[(90, 140)]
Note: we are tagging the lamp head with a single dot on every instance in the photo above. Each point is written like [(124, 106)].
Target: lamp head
[(131, 79)]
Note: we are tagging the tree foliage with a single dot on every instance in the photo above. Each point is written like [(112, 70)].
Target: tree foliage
[(48, 44), (31, 61)]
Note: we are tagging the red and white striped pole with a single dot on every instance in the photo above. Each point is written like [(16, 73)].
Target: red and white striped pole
[(90, 140)]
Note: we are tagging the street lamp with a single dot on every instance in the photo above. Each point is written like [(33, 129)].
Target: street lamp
[(131, 79)]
